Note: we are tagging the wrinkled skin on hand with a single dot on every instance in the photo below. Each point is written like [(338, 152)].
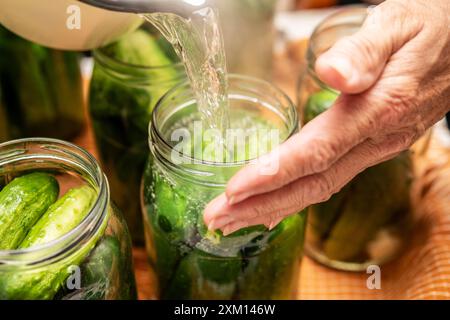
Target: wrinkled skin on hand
[(394, 76)]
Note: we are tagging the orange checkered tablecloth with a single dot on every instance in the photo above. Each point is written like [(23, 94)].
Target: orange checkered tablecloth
[(423, 272)]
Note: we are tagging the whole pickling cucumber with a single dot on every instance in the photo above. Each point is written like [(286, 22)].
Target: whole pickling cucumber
[(201, 276), (22, 202), (317, 103), (380, 194), (61, 217), (271, 274)]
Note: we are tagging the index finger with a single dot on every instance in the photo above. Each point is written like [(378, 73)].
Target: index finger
[(314, 149)]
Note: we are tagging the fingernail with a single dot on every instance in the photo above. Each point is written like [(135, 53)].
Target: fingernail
[(237, 198), (226, 231), (271, 226), (275, 223), (231, 228), (214, 208), (220, 222), (342, 66)]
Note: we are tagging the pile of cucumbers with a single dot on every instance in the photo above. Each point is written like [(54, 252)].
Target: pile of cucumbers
[(378, 199), (31, 215)]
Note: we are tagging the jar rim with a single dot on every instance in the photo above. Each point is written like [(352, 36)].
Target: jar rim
[(355, 14), (123, 69), (100, 52), (85, 230), (154, 129)]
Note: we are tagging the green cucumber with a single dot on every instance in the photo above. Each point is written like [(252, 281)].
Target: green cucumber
[(180, 286), (22, 203), (165, 259), (43, 283), (271, 274), (216, 276), (172, 214), (139, 48), (63, 216), (318, 103), (325, 215), (382, 195)]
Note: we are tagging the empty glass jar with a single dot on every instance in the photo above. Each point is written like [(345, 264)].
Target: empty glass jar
[(369, 220)]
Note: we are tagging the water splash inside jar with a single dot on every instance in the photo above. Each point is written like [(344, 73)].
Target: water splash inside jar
[(199, 43)]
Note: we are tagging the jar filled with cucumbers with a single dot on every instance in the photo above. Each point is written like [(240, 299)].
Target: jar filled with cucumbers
[(60, 236), (182, 176), (41, 88), (129, 78), (369, 221)]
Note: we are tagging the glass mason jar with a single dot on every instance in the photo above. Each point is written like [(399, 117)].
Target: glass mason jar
[(369, 220), (42, 89), (250, 53), (92, 261), (122, 97), (189, 261)]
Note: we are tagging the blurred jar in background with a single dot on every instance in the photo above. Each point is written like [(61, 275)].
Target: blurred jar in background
[(249, 35), (370, 219), (41, 89), (129, 78)]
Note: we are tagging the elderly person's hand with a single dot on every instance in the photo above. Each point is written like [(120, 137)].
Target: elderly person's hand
[(394, 79)]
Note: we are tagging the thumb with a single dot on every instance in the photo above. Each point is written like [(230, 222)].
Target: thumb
[(354, 63)]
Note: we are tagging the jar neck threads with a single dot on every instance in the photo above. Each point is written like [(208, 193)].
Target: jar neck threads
[(179, 105), (50, 154), (328, 32)]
